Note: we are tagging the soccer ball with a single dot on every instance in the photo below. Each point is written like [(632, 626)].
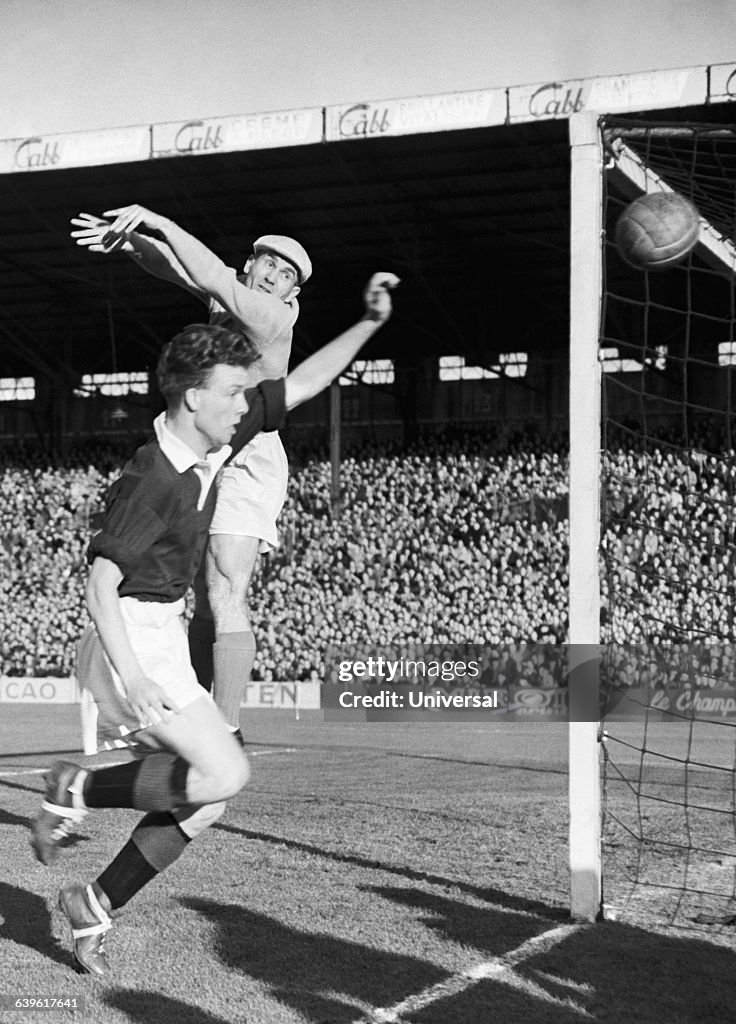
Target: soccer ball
[(657, 231)]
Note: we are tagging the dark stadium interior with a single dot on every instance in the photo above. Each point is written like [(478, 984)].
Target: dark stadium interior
[(475, 225), (475, 222)]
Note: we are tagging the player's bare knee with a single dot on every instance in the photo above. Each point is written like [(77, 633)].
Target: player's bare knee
[(193, 823), (234, 776), (220, 774)]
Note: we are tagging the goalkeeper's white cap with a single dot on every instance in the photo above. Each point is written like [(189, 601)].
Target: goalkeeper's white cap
[(289, 249)]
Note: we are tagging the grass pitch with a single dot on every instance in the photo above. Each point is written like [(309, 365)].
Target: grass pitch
[(405, 873)]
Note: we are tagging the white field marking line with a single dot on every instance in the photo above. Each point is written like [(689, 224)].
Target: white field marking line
[(265, 753), (500, 969), (109, 764)]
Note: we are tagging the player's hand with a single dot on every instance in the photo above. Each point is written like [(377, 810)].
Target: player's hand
[(377, 296), (95, 234), (149, 701), (128, 218)]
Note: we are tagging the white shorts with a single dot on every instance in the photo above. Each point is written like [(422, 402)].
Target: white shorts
[(158, 637), (251, 491)]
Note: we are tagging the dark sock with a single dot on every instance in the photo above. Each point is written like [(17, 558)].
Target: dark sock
[(155, 783), (125, 876), (201, 642), (154, 845), (234, 657)]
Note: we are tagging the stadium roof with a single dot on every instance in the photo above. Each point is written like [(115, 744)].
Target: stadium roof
[(465, 196)]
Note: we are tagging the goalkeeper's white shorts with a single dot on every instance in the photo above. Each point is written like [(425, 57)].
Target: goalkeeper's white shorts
[(251, 491)]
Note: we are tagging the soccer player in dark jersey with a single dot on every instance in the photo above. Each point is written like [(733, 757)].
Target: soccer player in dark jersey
[(142, 562)]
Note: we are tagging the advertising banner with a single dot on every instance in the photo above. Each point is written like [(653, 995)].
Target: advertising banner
[(674, 703), (235, 134), (79, 149), (281, 696), (415, 115), (47, 690), (275, 695), (721, 83), (648, 90)]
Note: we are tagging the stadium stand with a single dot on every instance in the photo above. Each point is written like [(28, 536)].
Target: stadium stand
[(434, 544), (455, 538)]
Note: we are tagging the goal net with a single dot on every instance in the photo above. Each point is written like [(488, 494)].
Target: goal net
[(667, 534)]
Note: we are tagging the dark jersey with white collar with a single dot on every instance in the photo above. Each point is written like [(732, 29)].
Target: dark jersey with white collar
[(153, 529)]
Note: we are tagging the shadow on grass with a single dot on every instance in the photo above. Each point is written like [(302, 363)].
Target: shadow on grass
[(8, 818), (330, 979), (27, 922), (152, 1006), (487, 893), (36, 790), (611, 972), (608, 973), (491, 931), (531, 972)]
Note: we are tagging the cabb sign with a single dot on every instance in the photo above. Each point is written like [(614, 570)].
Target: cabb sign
[(415, 115), (237, 134), (75, 149)]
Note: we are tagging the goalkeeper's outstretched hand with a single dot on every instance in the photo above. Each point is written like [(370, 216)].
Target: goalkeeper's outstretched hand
[(94, 233), (377, 296)]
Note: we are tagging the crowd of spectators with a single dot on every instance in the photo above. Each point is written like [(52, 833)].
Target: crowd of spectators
[(456, 538), (669, 543), (45, 509)]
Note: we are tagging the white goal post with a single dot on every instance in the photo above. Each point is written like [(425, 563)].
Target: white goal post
[(586, 204)]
